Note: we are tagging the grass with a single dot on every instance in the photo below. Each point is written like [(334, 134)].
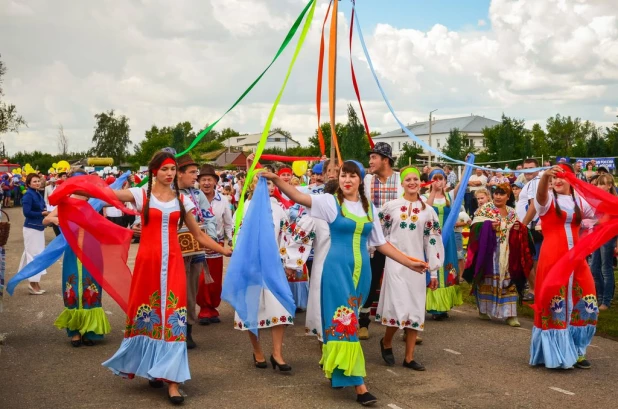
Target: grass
[(607, 326)]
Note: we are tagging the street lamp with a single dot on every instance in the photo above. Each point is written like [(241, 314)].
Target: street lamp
[(430, 116)]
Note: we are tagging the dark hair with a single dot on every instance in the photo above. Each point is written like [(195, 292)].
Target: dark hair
[(589, 164), (351, 167), (532, 160), (185, 167), (30, 177), (331, 186), (578, 212), (154, 164)]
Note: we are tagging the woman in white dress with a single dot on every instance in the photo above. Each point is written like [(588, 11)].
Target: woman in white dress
[(272, 314), (412, 227)]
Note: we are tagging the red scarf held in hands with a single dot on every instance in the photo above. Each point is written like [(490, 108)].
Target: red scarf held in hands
[(606, 211), (100, 245)]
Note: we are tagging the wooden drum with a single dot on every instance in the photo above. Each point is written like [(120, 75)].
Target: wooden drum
[(188, 245)]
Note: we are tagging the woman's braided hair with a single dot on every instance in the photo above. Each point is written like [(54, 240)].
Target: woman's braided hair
[(154, 164)]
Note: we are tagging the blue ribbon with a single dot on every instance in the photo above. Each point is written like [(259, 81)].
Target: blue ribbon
[(256, 264), (56, 248), (449, 224), (401, 124)]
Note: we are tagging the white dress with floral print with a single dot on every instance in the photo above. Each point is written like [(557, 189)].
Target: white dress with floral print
[(415, 232), (271, 311)]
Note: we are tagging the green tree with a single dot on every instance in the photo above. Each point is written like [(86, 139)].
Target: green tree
[(612, 139), (409, 155), (540, 147), (454, 144), (212, 135), (282, 131), (10, 120), (326, 132), (227, 133), (597, 144), (111, 136), (353, 142), (506, 140), (564, 133)]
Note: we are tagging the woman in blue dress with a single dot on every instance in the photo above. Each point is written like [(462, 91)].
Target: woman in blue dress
[(354, 225)]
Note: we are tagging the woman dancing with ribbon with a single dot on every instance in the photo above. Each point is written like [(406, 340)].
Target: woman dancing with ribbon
[(412, 227), (154, 345), (353, 225), (566, 311), (448, 293)]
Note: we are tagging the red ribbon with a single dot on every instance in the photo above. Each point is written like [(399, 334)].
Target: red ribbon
[(355, 84), (281, 158)]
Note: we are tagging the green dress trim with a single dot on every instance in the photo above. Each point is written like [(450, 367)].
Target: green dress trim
[(444, 299), (84, 320), (344, 355)]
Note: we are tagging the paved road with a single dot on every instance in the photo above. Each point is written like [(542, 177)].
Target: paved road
[(470, 364)]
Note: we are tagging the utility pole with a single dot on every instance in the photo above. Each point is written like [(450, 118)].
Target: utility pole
[(430, 124)]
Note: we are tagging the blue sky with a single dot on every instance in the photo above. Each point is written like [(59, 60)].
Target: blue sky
[(421, 14)]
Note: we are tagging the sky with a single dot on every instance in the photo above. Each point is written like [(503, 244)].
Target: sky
[(161, 62)]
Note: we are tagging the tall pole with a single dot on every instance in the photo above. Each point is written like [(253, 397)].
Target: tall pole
[(430, 124)]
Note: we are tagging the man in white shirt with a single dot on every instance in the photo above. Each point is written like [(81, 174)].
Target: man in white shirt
[(526, 213), (209, 295), (476, 182)]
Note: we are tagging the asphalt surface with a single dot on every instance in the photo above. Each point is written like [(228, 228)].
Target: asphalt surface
[(470, 364)]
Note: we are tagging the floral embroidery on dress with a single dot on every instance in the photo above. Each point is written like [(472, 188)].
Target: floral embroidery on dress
[(91, 296), (178, 322), (558, 309), (69, 293), (586, 310), (393, 322), (344, 323), (146, 319)]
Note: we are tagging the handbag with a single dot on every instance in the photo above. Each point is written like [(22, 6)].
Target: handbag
[(5, 228)]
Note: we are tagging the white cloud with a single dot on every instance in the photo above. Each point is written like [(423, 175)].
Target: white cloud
[(160, 63)]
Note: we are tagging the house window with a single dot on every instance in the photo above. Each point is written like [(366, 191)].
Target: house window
[(472, 142), (484, 144), (277, 139), (399, 145), (438, 142)]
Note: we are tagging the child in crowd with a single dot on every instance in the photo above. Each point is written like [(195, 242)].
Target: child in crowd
[(227, 192), (463, 220), (482, 197)]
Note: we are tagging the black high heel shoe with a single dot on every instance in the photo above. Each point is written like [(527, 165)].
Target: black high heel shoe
[(282, 367), (157, 383), (258, 364)]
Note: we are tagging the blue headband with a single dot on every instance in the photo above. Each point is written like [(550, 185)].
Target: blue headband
[(436, 172), (360, 167)]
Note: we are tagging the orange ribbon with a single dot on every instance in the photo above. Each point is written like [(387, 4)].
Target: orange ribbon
[(332, 63), (318, 98)]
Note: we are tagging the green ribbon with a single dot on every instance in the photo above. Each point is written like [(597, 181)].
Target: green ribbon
[(283, 46), (269, 120)]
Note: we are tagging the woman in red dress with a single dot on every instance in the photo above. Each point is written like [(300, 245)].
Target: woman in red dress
[(563, 326), (154, 345)]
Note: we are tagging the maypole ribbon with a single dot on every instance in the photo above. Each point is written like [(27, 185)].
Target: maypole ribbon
[(332, 80), (318, 97), (271, 115), (410, 134), (282, 47), (281, 158), (355, 84), (449, 224)]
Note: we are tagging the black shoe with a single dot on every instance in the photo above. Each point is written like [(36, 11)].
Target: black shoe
[(157, 383), (176, 400), (190, 343), (258, 364), (387, 354), (76, 343), (583, 364), (282, 367), (366, 399), (413, 365), (204, 321), (528, 297), (439, 317), (87, 342), (214, 320)]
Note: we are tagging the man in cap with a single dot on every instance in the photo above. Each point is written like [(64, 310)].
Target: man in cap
[(381, 186), (187, 176), (209, 295)]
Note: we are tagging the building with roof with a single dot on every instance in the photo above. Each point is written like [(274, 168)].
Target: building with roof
[(472, 126), (223, 158), (249, 142)]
